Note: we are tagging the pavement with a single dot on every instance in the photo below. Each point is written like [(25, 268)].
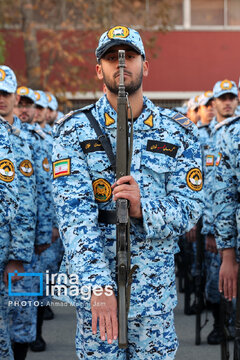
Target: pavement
[(59, 335)]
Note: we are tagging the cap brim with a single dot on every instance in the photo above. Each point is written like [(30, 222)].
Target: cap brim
[(110, 44)]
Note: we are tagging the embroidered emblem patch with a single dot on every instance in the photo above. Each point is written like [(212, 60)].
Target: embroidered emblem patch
[(26, 168), (226, 85), (91, 146), (149, 121), (61, 168), (2, 74), (23, 90), (182, 120), (37, 95), (7, 171), (218, 159), (46, 165), (108, 120), (102, 190), (49, 97), (162, 148), (194, 179), (209, 160), (118, 32)]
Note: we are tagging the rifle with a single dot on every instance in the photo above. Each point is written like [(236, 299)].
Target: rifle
[(122, 208), (225, 311), (237, 322)]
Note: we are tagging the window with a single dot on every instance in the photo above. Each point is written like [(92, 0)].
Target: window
[(205, 12)]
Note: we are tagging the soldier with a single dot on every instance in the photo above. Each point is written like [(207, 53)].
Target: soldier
[(225, 103), (52, 111), (36, 138), (192, 109), (164, 191), (206, 113), (20, 232)]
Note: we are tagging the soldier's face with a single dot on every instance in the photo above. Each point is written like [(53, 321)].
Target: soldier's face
[(226, 105), (40, 114), (7, 103), (206, 112), (51, 116), (25, 110), (135, 69)]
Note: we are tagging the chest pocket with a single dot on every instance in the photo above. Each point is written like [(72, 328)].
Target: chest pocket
[(98, 164), (156, 169)]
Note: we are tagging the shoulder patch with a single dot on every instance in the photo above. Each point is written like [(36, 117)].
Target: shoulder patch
[(69, 115), (178, 117), (40, 133)]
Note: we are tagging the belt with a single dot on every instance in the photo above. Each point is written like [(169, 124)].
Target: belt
[(107, 216)]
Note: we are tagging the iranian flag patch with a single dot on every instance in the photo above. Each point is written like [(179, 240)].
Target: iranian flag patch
[(61, 168)]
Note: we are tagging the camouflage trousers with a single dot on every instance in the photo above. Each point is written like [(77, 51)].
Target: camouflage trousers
[(149, 337), (213, 263), (5, 343)]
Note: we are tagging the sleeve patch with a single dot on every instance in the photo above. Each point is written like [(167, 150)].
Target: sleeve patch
[(194, 179), (218, 159), (61, 168), (7, 171)]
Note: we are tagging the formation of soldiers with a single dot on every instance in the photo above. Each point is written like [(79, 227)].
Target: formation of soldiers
[(29, 240), (216, 114)]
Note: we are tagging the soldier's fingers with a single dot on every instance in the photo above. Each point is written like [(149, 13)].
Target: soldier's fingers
[(225, 288), (102, 327), (234, 289), (109, 328), (114, 325), (220, 283), (94, 323)]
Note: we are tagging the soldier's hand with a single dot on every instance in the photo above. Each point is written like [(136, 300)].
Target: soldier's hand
[(55, 234), (40, 248), (127, 188), (228, 274), (104, 309), (12, 266), (211, 244)]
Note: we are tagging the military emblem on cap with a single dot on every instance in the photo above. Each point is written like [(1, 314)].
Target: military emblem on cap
[(102, 190), (23, 90), (49, 97), (226, 85), (194, 179), (208, 93), (46, 165), (2, 74), (118, 32), (26, 168), (7, 171), (37, 95)]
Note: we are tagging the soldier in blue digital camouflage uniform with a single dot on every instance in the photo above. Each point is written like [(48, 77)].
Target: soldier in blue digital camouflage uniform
[(8, 205), (164, 191), (226, 207), (225, 102), (20, 232), (36, 138), (192, 109), (52, 111), (237, 112)]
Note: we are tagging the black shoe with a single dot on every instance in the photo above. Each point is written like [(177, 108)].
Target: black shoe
[(48, 313), (38, 345), (215, 337), (20, 350)]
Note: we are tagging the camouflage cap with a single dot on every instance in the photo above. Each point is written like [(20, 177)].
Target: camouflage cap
[(52, 101), (225, 87), (41, 98), (205, 98), (193, 103), (26, 92), (120, 35), (8, 81)]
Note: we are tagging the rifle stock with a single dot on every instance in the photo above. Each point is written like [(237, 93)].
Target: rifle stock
[(122, 207)]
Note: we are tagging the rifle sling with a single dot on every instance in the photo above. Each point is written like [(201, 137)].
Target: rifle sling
[(103, 138)]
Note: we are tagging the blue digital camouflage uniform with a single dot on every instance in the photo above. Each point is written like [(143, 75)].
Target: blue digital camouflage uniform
[(226, 197), (8, 209), (19, 235), (166, 164)]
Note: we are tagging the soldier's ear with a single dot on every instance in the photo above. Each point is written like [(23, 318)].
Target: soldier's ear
[(99, 71), (145, 68)]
